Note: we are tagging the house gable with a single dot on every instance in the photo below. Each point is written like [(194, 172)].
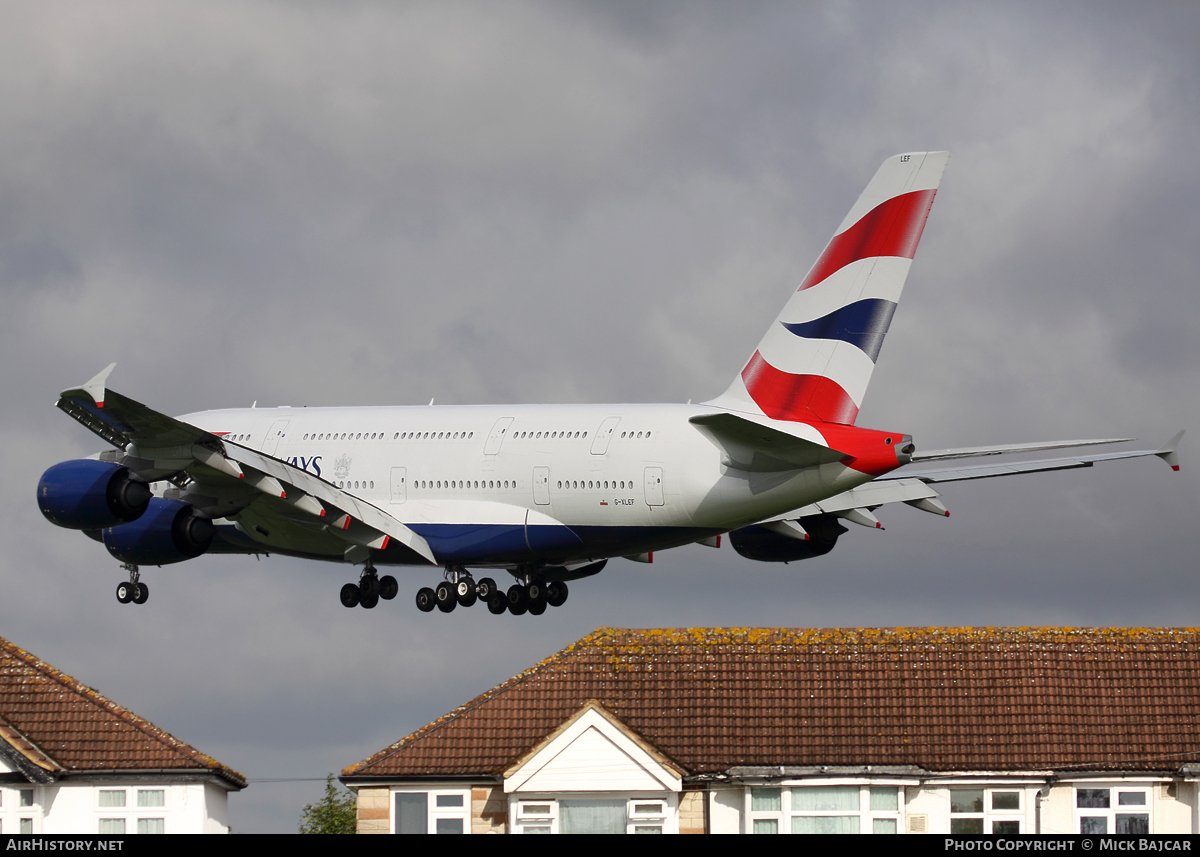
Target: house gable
[(592, 752)]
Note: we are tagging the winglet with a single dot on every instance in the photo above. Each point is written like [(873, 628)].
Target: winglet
[(95, 387), (1169, 451)]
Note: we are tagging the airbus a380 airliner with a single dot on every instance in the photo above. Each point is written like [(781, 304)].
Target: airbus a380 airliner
[(548, 493)]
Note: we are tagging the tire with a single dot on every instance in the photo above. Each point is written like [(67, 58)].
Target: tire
[(465, 591), (368, 586), (369, 602), (426, 599), (518, 601), (350, 595), (537, 608), (486, 588), (536, 592), (446, 597), (124, 592), (556, 593), (140, 593), (496, 604), (388, 587)]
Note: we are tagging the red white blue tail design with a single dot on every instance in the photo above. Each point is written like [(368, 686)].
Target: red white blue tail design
[(815, 362)]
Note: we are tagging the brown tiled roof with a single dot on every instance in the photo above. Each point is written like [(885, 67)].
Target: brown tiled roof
[(943, 699), (63, 726)]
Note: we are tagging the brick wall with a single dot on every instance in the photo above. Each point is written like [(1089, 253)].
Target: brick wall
[(489, 810), (691, 812), (373, 810)]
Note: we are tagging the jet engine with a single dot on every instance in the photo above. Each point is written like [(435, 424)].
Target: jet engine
[(86, 495), (758, 542), (169, 531)]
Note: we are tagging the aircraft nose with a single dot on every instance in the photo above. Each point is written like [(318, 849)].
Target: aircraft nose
[(905, 449)]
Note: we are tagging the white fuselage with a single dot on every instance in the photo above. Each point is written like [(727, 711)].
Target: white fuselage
[(613, 479)]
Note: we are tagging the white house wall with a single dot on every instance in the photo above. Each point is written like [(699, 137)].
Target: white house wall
[(928, 802), (74, 807)]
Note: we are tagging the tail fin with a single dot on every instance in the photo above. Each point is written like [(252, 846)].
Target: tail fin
[(814, 364)]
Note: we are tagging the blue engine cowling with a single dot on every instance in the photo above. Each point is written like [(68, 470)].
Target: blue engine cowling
[(766, 546), (170, 531), (86, 495)]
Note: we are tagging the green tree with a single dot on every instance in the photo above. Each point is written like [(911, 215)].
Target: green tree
[(336, 812)]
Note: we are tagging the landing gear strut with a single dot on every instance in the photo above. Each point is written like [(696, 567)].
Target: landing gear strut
[(134, 590)]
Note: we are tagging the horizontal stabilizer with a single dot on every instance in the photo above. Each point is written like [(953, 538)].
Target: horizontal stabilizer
[(977, 451), (754, 447), (1167, 452)]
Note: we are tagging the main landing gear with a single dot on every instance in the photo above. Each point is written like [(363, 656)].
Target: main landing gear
[(459, 589), (369, 589), (134, 590)]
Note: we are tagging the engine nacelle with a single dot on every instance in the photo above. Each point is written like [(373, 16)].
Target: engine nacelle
[(170, 531), (86, 495), (767, 546)]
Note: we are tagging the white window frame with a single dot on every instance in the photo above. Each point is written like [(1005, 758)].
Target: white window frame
[(12, 813), (1114, 787), (432, 811), (784, 815), (665, 817), (990, 815)]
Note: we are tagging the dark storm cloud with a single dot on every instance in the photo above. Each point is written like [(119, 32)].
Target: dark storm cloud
[(380, 203)]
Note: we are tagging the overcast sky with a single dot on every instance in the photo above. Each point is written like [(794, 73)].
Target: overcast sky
[(378, 203)]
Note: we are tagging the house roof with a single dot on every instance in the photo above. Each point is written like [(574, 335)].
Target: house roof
[(53, 725), (941, 699)]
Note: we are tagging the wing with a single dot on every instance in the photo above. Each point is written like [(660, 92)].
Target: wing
[(914, 486), (227, 479)]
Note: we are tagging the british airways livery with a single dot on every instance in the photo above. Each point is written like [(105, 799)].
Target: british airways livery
[(548, 493)]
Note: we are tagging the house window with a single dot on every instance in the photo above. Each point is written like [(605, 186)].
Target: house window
[(109, 797), (984, 810), (27, 797), (536, 817), (112, 826), (433, 812), (1113, 810), (593, 815), (826, 808), (151, 825), (152, 797)]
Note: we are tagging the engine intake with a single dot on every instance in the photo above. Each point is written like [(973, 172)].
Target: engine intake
[(87, 495)]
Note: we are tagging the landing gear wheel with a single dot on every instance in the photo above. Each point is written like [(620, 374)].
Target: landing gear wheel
[(124, 592), (140, 593), (368, 586), (367, 602), (464, 590), (388, 587), (446, 597), (497, 604), (350, 595), (426, 599), (556, 593), (535, 591), (486, 588), (537, 608), (518, 601)]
